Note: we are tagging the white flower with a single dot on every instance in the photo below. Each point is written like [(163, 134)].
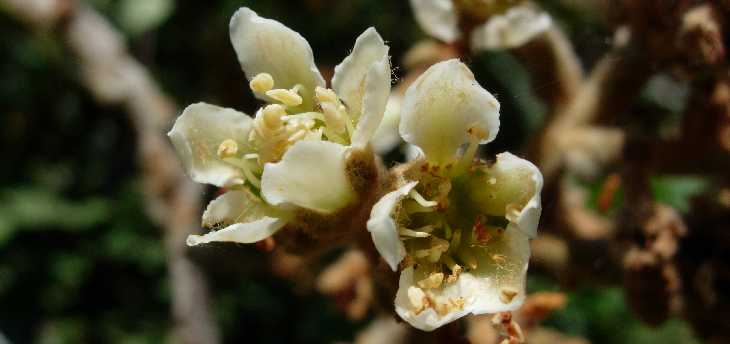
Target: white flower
[(504, 24), (458, 228), (294, 153)]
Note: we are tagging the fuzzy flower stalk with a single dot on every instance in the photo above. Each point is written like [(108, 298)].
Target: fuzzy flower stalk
[(495, 24), (304, 160), (456, 227)]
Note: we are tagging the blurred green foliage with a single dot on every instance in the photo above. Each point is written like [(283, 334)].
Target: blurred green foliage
[(81, 262)]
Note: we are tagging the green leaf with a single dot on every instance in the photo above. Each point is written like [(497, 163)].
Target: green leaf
[(677, 191)]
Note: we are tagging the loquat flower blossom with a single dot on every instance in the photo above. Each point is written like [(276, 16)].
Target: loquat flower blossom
[(502, 24), (456, 227), (297, 153)]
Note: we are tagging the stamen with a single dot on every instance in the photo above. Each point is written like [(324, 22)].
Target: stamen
[(298, 136), (286, 97), (333, 118), (438, 247), (418, 299), (413, 208), (434, 280), (411, 233), (325, 95), (251, 156), (262, 83), (272, 115), (311, 114), (422, 201), (227, 148)]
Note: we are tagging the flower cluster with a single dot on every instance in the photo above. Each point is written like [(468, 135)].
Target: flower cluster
[(456, 227), (294, 155), (500, 24)]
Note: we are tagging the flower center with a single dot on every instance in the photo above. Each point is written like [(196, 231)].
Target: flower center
[(444, 225), (283, 122)]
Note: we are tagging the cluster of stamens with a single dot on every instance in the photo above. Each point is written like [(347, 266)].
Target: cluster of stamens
[(283, 122), (442, 235)]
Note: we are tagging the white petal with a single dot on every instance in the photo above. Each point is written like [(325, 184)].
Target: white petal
[(246, 219), (244, 233), (383, 228), (510, 30), (312, 175), (522, 174), (481, 289), (508, 274), (236, 206), (442, 105), (198, 133), (362, 81), (510, 188), (267, 46), (438, 18), (386, 138)]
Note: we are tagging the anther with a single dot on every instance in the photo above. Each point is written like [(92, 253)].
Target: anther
[(262, 83), (272, 115), (434, 280), (507, 294), (325, 95), (333, 117), (418, 299), (286, 97), (227, 148)]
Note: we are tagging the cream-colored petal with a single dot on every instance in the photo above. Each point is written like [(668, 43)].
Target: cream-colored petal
[(362, 81), (501, 273), (243, 217), (383, 228), (497, 285), (236, 206), (386, 138), (198, 133), (267, 46), (512, 29), (244, 233), (311, 175), (438, 18), (442, 105), (511, 188)]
